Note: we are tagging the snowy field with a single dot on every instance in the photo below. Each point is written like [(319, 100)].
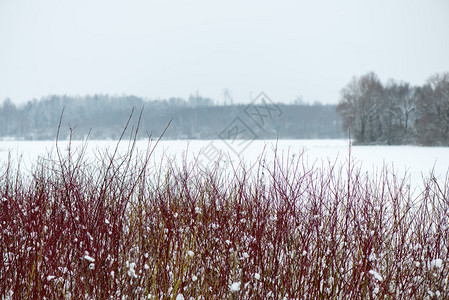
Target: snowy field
[(413, 161)]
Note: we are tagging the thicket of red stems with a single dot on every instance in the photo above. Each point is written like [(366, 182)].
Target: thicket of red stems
[(124, 227)]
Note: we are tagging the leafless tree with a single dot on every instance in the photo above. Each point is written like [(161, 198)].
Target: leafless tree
[(360, 107)]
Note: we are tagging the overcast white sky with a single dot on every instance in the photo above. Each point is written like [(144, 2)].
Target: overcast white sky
[(165, 48)]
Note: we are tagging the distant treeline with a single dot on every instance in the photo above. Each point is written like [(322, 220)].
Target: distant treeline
[(396, 113), (104, 117)]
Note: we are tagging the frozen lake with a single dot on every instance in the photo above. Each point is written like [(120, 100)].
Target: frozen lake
[(413, 160)]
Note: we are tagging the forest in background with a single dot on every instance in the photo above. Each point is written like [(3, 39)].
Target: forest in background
[(396, 113), (104, 117)]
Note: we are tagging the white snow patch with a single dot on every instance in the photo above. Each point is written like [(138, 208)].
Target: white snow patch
[(190, 253), (89, 258), (180, 297), (257, 276), (50, 277), (235, 287), (131, 272), (376, 275), (436, 263)]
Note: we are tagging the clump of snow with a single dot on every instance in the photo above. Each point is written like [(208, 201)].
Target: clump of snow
[(89, 258), (50, 277), (131, 272), (257, 276), (436, 263), (235, 287), (194, 278), (376, 275), (190, 253), (180, 297)]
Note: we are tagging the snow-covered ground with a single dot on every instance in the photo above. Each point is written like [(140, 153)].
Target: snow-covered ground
[(416, 162)]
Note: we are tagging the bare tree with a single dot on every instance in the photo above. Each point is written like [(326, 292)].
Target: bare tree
[(433, 111), (360, 106), (399, 115)]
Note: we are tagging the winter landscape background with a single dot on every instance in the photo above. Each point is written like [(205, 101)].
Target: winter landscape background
[(224, 150)]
